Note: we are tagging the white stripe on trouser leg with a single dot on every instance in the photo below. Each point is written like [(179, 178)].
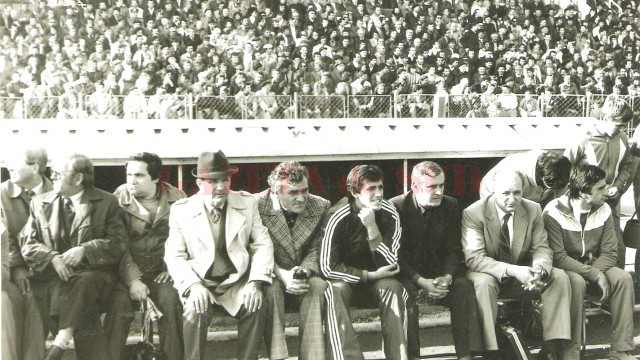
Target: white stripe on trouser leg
[(405, 321), (332, 325)]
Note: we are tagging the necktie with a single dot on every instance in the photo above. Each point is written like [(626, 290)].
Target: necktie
[(30, 193), (216, 214), (69, 212), (505, 239)]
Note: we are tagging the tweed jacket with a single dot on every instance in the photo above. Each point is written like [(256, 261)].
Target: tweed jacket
[(145, 250), (481, 238), (190, 248), (97, 224), (15, 212), (299, 246)]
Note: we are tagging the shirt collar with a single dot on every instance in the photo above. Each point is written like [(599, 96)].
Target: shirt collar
[(75, 199), (501, 213)]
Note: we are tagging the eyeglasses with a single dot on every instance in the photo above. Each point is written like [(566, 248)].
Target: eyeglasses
[(59, 175)]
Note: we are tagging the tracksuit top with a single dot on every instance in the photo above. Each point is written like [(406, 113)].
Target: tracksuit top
[(587, 251), (345, 253), (608, 153)]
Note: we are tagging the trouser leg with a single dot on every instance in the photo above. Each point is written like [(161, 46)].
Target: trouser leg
[(343, 342), (578, 292), (486, 289), (622, 249), (392, 298), (556, 300), (274, 323), (166, 298), (413, 318), (86, 292), (622, 300), (465, 326), (9, 333), (194, 328), (118, 321), (250, 332), (312, 341)]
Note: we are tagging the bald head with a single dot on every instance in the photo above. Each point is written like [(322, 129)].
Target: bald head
[(507, 190)]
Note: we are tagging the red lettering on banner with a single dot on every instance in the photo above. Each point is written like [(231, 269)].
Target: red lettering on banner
[(315, 181), (460, 180)]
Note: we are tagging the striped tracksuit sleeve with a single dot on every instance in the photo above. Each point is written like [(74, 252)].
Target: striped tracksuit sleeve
[(387, 251), (331, 264)]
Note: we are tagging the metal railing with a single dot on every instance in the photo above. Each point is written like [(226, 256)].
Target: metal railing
[(105, 106)]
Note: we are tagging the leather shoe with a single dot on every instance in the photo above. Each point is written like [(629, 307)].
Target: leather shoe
[(54, 353)]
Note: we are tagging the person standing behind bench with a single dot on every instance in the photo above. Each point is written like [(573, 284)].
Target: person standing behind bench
[(582, 236), (431, 258), (145, 203), (607, 147), (218, 252), (359, 255)]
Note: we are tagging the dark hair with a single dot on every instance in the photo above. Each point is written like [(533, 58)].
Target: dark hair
[(583, 178), (81, 164), (292, 171), (553, 170), (153, 161), (359, 174)]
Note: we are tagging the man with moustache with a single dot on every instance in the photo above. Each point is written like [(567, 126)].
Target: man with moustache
[(73, 241), (359, 256), (218, 252), (507, 253), (431, 258), (145, 202), (26, 180)]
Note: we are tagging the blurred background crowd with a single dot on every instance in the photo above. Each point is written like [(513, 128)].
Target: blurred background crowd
[(318, 47)]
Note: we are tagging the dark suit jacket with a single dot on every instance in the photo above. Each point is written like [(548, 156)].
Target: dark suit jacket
[(15, 212), (98, 225), (433, 247), (299, 246), (481, 237)]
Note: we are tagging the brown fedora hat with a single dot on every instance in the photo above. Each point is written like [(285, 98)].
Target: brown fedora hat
[(213, 166)]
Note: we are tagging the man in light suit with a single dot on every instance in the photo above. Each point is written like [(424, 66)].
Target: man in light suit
[(73, 241), (507, 253), (219, 252), (294, 219)]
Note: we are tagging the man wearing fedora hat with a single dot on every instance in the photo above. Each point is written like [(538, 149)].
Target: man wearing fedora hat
[(219, 252)]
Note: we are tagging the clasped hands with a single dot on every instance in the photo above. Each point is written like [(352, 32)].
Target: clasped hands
[(293, 286), (530, 278)]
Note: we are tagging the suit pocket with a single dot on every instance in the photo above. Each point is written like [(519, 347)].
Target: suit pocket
[(90, 232)]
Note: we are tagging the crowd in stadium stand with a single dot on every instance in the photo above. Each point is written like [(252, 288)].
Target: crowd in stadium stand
[(320, 47)]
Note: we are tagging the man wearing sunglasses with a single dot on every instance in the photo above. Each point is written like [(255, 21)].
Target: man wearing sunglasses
[(544, 175)]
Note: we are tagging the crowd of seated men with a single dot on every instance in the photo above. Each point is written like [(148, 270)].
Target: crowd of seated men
[(212, 48), (73, 252)]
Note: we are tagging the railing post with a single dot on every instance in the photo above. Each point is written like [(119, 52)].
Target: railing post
[(294, 106), (588, 110)]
